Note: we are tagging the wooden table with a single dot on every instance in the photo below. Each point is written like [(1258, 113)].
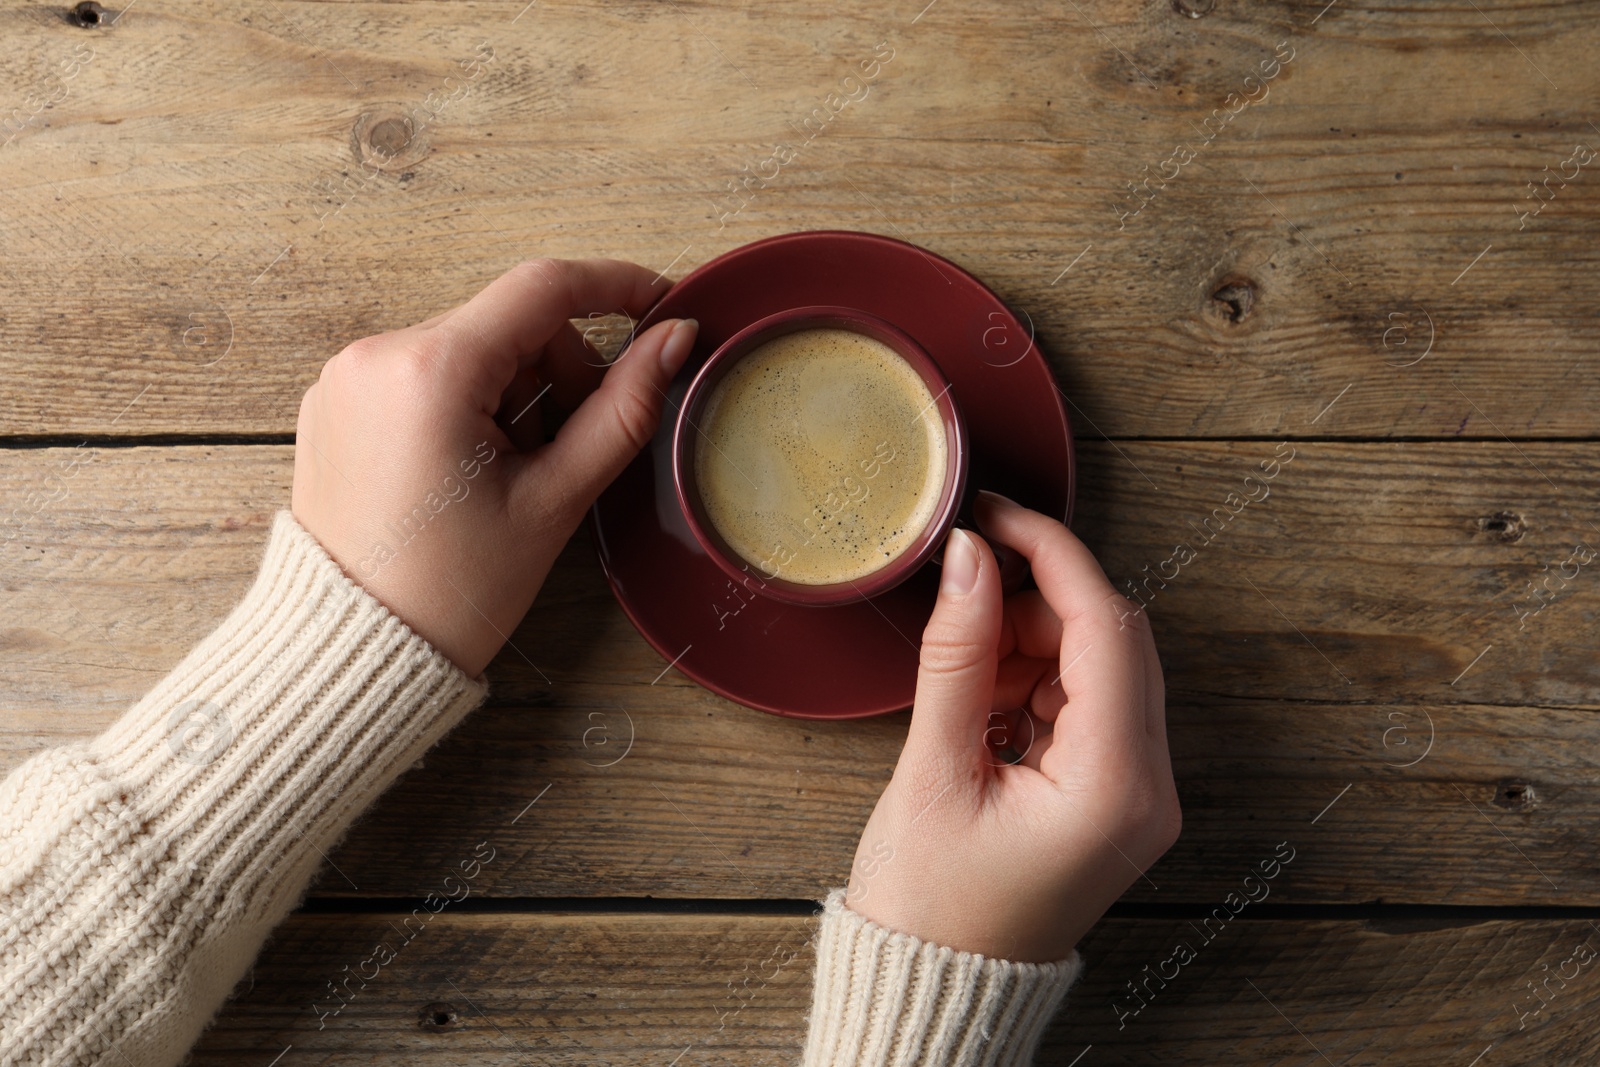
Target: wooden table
[(1233, 225)]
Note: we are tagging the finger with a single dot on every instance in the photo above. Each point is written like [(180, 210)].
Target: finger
[(1009, 733), (509, 322), (520, 417), (956, 676), (420, 327), (1016, 678), (1047, 698), (1017, 738), (1135, 622), (428, 324), (1035, 684), (1043, 736), (1007, 644), (1104, 644), (1037, 627), (611, 426), (572, 366)]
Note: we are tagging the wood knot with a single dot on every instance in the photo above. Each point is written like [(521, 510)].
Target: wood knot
[(87, 13), (1234, 298), (387, 138), (1193, 8), (1515, 796), (1506, 527), (438, 1016), (390, 136)]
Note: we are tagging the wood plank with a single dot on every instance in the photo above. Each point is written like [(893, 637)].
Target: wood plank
[(208, 232), (713, 802), (632, 988), (1373, 552), (1364, 573)]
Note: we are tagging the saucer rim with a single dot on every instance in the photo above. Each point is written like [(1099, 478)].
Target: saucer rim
[(652, 316)]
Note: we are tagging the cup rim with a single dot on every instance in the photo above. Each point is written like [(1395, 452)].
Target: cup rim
[(921, 548)]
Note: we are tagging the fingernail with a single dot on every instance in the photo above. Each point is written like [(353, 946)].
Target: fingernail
[(995, 499), (679, 342), (960, 564)]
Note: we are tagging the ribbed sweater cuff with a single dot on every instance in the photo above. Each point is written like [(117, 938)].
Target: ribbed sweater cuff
[(288, 719), (141, 871), (888, 999)]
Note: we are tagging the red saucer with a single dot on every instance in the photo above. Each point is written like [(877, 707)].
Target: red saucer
[(857, 659)]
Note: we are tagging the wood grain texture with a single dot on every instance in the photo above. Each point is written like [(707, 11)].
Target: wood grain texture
[(1387, 661), (1356, 573), (712, 802), (1470, 781), (212, 231), (626, 989)]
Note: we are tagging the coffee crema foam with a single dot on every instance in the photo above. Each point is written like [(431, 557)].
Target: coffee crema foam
[(820, 456)]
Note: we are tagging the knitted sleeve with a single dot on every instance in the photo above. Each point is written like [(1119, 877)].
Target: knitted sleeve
[(888, 999), (141, 871)]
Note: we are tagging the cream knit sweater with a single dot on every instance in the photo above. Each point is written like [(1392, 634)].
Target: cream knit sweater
[(141, 871)]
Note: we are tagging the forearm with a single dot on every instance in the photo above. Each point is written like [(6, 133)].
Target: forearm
[(141, 871)]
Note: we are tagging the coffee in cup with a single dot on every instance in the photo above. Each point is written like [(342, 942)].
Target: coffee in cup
[(820, 456)]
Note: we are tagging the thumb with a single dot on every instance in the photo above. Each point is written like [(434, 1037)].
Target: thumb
[(613, 423), (960, 652)]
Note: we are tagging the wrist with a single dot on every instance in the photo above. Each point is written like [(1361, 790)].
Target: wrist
[(992, 916)]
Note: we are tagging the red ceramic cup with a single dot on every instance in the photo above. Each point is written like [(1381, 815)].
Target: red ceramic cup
[(750, 575)]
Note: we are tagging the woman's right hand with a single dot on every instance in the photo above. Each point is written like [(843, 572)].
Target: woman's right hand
[(443, 418), (1018, 861)]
